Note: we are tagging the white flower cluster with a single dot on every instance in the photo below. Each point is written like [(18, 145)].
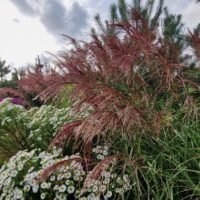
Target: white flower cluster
[(101, 152), (10, 175), (44, 122), (108, 185), (9, 111), (33, 128), (19, 178)]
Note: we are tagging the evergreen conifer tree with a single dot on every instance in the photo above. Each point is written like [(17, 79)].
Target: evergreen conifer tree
[(4, 70)]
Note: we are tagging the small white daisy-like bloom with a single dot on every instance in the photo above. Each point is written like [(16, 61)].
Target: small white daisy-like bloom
[(78, 192), (52, 178), (105, 153), (43, 195), (76, 178), (77, 172), (96, 182), (100, 157), (19, 194), (109, 194), (44, 185), (98, 147), (59, 177), (68, 175), (27, 188), (28, 178), (102, 188), (32, 182), (106, 181), (35, 188), (94, 150), (113, 175), (62, 188), (95, 188), (70, 189), (67, 182)]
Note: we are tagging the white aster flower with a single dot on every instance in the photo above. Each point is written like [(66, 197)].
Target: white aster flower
[(44, 185), (19, 194), (106, 181), (35, 188), (43, 195), (62, 188), (102, 188), (52, 178), (27, 188), (95, 188), (105, 153), (76, 178), (109, 194), (68, 175), (70, 189), (67, 182)]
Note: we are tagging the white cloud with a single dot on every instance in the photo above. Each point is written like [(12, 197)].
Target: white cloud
[(191, 14), (24, 35), (21, 42), (57, 17)]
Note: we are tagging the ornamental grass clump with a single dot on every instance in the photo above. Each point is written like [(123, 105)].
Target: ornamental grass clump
[(127, 77)]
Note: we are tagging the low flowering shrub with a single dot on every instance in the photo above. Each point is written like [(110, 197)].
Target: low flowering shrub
[(19, 178), (43, 124), (50, 175), (28, 129), (109, 185)]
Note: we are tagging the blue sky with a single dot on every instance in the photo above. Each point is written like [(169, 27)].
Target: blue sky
[(30, 28)]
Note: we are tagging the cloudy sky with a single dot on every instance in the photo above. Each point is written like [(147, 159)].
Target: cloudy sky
[(33, 27)]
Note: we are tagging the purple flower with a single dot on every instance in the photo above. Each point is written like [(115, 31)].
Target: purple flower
[(17, 101)]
